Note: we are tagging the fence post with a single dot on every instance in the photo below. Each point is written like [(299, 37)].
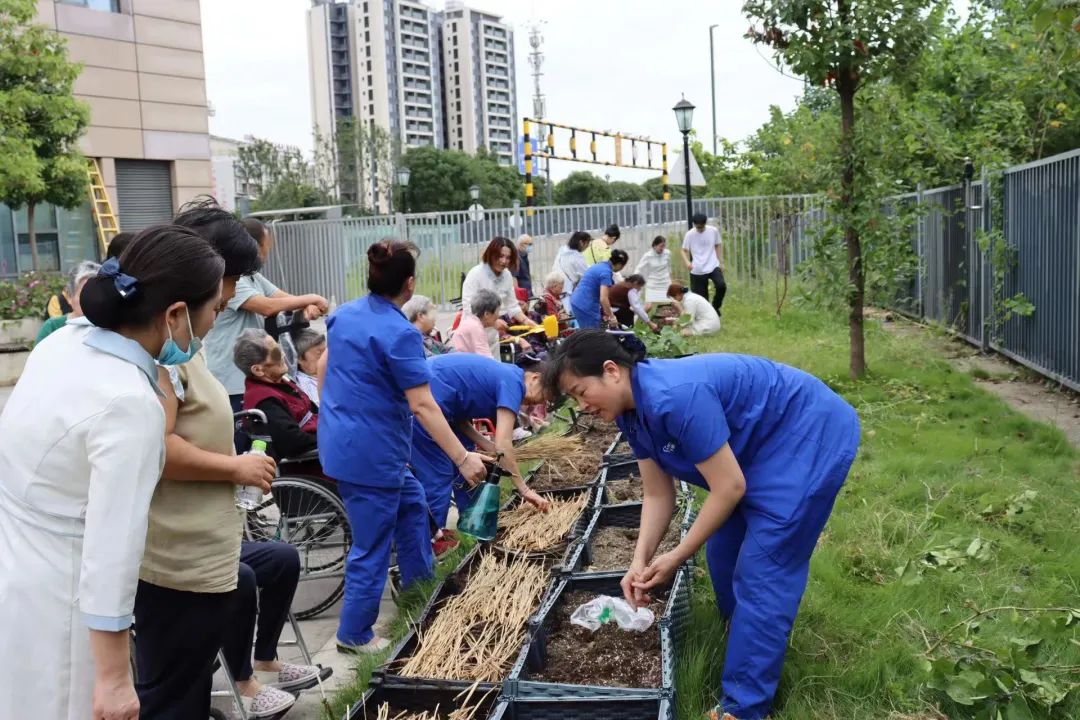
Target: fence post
[(402, 226), (920, 249), (642, 223), (986, 298)]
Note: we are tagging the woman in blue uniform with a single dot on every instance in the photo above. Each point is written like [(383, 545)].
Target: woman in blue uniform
[(375, 376), (468, 386), (771, 444), (590, 299)]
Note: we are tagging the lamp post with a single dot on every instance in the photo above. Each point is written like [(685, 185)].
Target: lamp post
[(684, 116), (474, 192), (403, 181), (712, 85)]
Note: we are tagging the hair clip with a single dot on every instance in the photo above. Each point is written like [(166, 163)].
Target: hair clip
[(125, 285)]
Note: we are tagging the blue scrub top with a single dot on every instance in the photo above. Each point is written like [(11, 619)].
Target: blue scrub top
[(365, 425), (781, 423), (585, 301), (468, 386)]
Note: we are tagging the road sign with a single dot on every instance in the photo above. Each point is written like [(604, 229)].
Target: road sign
[(476, 212)]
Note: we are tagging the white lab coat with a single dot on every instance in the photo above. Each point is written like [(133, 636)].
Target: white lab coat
[(656, 269), (82, 444)]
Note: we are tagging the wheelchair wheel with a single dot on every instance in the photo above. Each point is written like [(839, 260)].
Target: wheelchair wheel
[(307, 514)]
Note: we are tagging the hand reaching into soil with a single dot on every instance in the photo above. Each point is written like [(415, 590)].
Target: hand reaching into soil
[(536, 500), (634, 595), (659, 572)]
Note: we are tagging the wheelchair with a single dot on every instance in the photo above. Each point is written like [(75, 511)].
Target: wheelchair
[(304, 510)]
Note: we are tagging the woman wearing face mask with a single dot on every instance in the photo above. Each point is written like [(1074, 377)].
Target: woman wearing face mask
[(188, 582), (80, 455), (772, 445)]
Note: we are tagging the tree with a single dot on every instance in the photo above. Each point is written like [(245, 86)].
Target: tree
[(622, 191), (582, 188), (278, 176), (40, 120), (845, 45), (439, 180)]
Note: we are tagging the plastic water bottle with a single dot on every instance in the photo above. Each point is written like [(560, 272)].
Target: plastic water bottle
[(249, 497)]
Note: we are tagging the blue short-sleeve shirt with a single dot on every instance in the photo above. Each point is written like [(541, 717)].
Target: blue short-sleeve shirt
[(365, 425), (780, 422), (585, 301), (468, 386)]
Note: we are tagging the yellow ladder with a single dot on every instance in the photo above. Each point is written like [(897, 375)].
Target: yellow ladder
[(104, 217)]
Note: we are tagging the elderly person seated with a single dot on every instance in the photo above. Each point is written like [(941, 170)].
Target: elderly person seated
[(420, 311), (76, 279), (292, 418), (310, 346), (472, 334)]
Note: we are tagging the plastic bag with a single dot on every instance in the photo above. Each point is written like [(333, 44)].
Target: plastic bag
[(605, 609)]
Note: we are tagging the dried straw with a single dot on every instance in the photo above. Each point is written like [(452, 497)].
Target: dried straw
[(526, 529), (463, 712), (477, 634), (563, 456)]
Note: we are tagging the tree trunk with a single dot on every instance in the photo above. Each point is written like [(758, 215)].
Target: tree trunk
[(856, 291), (35, 264)]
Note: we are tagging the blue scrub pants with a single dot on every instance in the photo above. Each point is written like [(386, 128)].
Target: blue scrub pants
[(438, 475), (381, 516), (586, 317), (759, 568)]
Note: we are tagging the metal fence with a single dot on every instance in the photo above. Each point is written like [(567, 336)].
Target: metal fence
[(979, 246), (988, 248)]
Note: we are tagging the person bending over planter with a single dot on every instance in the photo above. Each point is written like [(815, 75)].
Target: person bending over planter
[(703, 318), (468, 386), (590, 301), (374, 381), (772, 445)]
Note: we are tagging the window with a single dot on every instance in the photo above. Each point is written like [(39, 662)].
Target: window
[(457, 94), (366, 21), (455, 66), (369, 69), (368, 51), (455, 54), (459, 109), (102, 5), (371, 95), (367, 36)]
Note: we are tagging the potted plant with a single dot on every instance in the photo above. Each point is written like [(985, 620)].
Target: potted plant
[(23, 303)]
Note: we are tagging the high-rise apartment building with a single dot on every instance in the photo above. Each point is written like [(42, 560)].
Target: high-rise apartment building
[(400, 65), (479, 92)]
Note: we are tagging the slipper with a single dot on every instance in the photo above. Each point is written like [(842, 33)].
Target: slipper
[(268, 702), (291, 677)]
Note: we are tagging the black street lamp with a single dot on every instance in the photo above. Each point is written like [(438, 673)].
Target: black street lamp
[(684, 116), (403, 181)]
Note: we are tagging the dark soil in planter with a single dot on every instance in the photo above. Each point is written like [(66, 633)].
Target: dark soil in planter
[(556, 473), (600, 437), (627, 489), (609, 657), (613, 546)]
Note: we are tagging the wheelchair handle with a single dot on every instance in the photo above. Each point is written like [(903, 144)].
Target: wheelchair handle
[(245, 414)]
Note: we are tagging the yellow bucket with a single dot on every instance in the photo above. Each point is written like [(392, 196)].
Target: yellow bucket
[(551, 327)]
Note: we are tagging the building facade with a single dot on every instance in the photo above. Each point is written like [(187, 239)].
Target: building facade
[(429, 79), (144, 81), (479, 88)]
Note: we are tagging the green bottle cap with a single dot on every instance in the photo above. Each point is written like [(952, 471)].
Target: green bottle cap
[(259, 445)]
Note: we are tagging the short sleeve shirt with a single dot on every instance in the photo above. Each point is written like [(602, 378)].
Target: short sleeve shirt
[(374, 355), (702, 248), (222, 338), (774, 418), (587, 293), (469, 386)]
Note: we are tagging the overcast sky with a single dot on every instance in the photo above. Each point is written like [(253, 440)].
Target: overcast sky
[(610, 64)]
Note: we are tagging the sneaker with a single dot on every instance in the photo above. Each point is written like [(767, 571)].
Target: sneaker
[(717, 714), (290, 677), (268, 702), (521, 433), (374, 645)]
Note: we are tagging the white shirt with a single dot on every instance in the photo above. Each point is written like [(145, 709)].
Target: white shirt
[(482, 277), (634, 298), (572, 265), (656, 269), (702, 248), (703, 317), (309, 385)]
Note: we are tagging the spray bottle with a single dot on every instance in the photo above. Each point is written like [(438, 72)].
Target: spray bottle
[(481, 518)]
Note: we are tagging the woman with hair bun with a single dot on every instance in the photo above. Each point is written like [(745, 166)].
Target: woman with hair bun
[(375, 380), (80, 456)]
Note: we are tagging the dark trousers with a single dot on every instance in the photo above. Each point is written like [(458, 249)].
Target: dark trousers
[(241, 441), (177, 637), (699, 285), (269, 573)]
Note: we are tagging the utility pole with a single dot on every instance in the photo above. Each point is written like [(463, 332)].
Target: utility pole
[(712, 86), (536, 62)]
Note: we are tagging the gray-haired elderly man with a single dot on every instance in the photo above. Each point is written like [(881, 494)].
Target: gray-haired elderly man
[(523, 277), (76, 279)]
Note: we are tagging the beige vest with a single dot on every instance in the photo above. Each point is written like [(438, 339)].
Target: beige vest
[(193, 538)]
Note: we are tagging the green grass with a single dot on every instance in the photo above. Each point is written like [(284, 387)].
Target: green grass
[(936, 452)]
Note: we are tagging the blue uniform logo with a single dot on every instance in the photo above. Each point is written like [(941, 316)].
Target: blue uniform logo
[(670, 447)]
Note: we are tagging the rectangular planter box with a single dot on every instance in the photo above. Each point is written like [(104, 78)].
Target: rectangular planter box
[(579, 526), (417, 699), (533, 656), (618, 472), (628, 515), (583, 709)]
